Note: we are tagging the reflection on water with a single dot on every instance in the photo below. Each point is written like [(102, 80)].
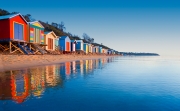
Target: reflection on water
[(19, 85), (113, 84), (14, 85)]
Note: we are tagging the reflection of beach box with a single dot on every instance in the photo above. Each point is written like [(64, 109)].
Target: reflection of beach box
[(68, 68), (20, 85), (51, 76), (73, 68)]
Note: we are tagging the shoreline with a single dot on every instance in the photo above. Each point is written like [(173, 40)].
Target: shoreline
[(15, 62)]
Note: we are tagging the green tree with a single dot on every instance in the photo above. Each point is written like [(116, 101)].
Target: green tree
[(28, 18), (87, 38), (61, 26), (4, 12)]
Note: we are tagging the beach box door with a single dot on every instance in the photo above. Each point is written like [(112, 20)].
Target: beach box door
[(18, 31), (74, 46), (67, 46), (52, 44), (49, 43)]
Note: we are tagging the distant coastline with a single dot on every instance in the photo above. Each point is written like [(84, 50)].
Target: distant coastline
[(138, 54)]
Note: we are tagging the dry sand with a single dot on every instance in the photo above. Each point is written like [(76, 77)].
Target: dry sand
[(12, 62)]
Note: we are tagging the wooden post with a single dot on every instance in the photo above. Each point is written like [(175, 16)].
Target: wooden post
[(10, 50), (11, 72), (30, 46)]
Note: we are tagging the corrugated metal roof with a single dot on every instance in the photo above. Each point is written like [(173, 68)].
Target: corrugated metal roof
[(79, 40), (51, 32), (63, 37), (11, 16), (85, 41), (47, 32), (8, 16)]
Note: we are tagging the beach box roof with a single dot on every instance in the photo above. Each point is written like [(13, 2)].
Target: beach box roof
[(11, 16), (64, 37), (36, 24), (51, 32)]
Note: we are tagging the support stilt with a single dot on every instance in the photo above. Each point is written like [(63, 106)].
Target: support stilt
[(10, 50)]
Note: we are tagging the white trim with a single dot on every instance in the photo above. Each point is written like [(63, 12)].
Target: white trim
[(55, 36), (36, 22), (79, 41)]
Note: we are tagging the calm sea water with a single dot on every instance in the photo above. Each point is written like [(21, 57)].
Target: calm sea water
[(113, 84)]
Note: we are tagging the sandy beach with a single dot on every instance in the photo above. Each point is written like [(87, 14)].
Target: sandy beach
[(13, 62)]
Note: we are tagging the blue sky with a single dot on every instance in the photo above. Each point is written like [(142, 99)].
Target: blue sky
[(124, 25)]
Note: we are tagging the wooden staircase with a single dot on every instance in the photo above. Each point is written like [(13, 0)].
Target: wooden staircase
[(39, 48), (25, 49)]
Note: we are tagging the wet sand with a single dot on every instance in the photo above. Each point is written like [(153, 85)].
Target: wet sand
[(13, 62)]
